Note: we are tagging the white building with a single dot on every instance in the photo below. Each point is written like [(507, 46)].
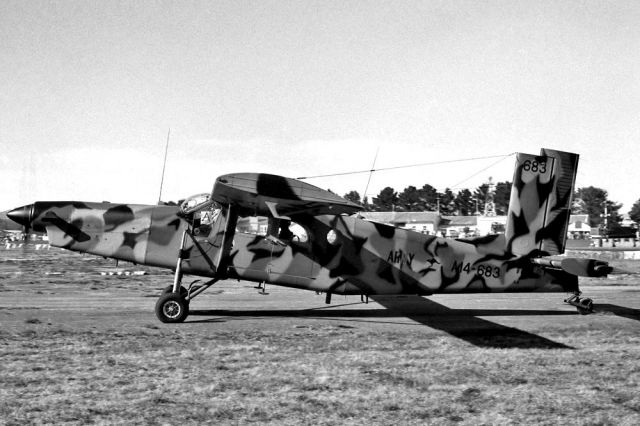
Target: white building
[(579, 228), (431, 223), (424, 222)]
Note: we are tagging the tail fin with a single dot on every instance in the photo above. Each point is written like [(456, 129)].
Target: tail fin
[(540, 204)]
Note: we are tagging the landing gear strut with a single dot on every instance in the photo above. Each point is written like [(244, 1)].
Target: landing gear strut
[(584, 306), (173, 304), (169, 289)]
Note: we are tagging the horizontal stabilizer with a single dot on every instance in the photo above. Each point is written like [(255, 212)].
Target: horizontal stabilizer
[(586, 267), (579, 267)]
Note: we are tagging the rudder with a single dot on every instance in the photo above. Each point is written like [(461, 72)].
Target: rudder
[(540, 204)]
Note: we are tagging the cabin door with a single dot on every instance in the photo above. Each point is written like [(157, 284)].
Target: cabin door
[(212, 240)]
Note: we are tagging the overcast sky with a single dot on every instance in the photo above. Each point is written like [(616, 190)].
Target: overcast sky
[(89, 90)]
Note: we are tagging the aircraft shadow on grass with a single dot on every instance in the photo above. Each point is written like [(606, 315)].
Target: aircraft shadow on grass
[(464, 324), (620, 311)]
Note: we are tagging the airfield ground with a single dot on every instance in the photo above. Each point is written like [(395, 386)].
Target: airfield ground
[(79, 347)]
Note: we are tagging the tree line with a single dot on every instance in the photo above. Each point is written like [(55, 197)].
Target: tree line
[(588, 200), (427, 198)]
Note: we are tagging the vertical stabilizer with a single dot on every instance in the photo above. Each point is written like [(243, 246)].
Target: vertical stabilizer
[(540, 205)]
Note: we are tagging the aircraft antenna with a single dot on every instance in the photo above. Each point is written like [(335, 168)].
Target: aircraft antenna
[(373, 168), (503, 157), (433, 163), (164, 165)]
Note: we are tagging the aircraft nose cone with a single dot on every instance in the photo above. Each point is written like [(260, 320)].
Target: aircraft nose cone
[(21, 215)]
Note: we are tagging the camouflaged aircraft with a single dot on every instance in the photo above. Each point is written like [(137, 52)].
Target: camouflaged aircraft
[(276, 230)]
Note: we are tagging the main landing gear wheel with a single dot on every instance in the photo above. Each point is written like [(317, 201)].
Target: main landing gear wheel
[(172, 308)]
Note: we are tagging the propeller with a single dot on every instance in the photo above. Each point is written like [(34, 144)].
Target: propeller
[(22, 216)]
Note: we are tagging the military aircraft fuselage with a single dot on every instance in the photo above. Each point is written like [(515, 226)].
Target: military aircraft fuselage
[(347, 255), (339, 254)]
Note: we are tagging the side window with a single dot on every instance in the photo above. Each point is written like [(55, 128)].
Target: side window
[(204, 220), (299, 233), (254, 225), (201, 211), (287, 231), (284, 230)]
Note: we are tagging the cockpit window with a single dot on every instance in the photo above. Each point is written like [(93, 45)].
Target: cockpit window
[(254, 225), (209, 216), (284, 230), (192, 203), (202, 211), (299, 233)]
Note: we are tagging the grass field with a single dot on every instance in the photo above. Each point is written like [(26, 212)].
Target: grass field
[(304, 372), (156, 374)]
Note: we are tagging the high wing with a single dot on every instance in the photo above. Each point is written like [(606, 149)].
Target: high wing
[(264, 194)]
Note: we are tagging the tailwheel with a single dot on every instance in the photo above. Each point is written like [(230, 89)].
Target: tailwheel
[(172, 308), (585, 306)]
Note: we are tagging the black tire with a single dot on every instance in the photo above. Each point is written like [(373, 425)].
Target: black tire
[(172, 308), (586, 306), (169, 289)]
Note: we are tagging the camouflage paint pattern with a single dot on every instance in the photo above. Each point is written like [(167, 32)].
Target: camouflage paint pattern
[(371, 258), (540, 204), (339, 253), (136, 233)]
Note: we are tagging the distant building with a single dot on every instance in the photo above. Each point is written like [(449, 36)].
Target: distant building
[(491, 224), (460, 226), (432, 223), (627, 222), (423, 222), (579, 228)]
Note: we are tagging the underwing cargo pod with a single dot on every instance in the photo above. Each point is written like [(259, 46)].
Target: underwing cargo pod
[(276, 230)]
